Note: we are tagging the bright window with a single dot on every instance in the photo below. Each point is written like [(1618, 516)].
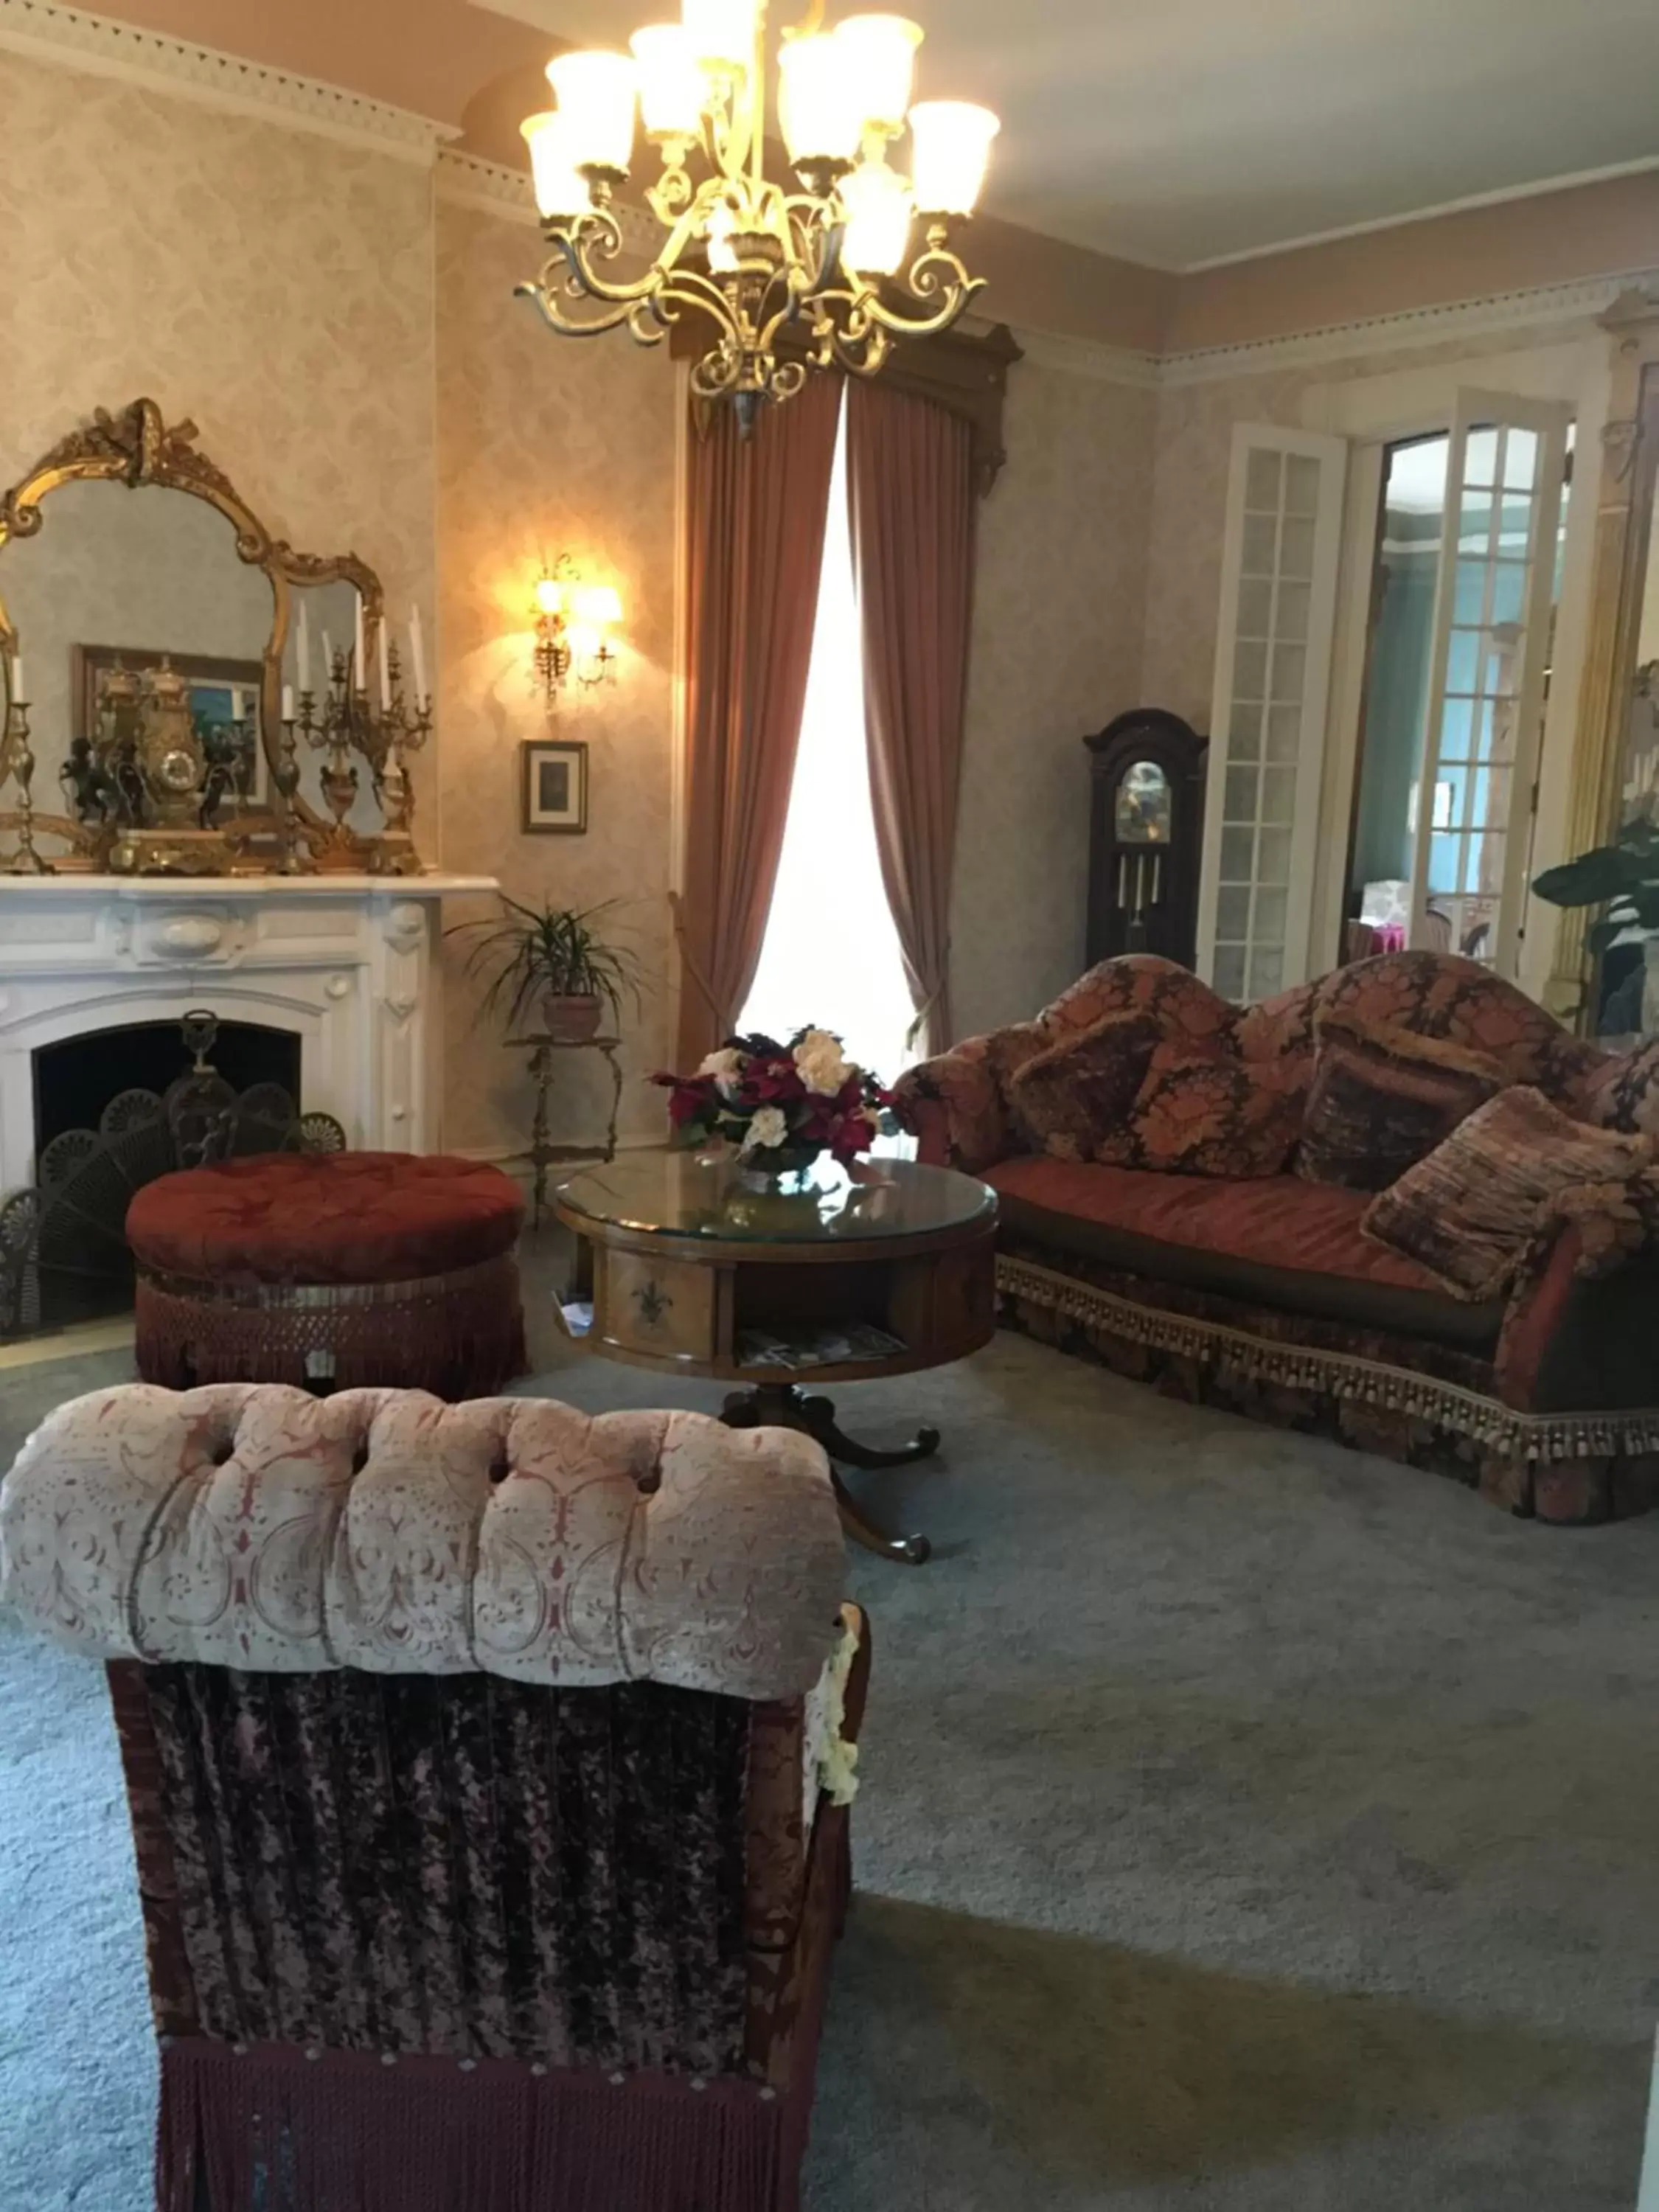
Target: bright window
[(831, 954)]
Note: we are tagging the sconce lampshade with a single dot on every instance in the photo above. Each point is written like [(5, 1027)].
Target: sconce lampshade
[(549, 595), (672, 89), (721, 32), (818, 103), (596, 95), (950, 153), (878, 208), (879, 57), (561, 193), (600, 605)]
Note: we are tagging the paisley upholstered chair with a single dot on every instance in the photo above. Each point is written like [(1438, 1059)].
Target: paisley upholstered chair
[(488, 1766)]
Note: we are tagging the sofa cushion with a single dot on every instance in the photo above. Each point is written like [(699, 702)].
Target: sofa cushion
[(1469, 1210), (1211, 1114), (1277, 1241), (1382, 1097), (1071, 1098)]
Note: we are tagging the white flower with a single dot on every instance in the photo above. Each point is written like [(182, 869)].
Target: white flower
[(726, 1068), (768, 1129), (821, 1063)]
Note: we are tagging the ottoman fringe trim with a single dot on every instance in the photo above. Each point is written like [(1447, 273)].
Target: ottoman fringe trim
[(270, 2128), (459, 1335)]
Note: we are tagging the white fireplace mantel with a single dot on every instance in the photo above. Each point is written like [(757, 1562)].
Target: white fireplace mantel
[(346, 962)]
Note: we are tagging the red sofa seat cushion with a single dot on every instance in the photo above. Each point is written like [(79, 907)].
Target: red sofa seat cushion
[(1274, 1239), (324, 1218)]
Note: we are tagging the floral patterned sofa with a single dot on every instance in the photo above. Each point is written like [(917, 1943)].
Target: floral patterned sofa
[(489, 1768), (1260, 1292)]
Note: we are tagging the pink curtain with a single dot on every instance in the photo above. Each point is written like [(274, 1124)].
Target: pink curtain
[(910, 473), (757, 509)]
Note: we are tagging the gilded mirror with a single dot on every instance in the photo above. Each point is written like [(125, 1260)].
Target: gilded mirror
[(196, 698)]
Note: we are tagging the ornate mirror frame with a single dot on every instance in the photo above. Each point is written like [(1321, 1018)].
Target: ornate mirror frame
[(137, 447), (1624, 528)]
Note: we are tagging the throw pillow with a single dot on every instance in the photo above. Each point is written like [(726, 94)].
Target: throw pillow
[(1212, 1114), (1072, 1097), (1468, 1211), (1383, 1098)]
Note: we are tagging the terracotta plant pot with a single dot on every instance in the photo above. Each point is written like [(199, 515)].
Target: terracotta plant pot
[(571, 1020)]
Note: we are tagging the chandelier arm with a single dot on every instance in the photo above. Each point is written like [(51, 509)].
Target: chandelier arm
[(579, 252), (546, 302), (953, 297)]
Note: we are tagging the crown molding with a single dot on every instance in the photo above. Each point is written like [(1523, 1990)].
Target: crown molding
[(1498, 312), (42, 31), (1089, 358), (464, 180), (1538, 307)]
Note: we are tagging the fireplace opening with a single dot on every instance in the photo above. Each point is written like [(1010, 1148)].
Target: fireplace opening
[(75, 1078), (89, 1162)]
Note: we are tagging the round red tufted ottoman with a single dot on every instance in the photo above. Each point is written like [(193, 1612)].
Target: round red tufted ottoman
[(383, 1269)]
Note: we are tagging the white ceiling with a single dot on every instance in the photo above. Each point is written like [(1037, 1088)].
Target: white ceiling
[(1182, 132)]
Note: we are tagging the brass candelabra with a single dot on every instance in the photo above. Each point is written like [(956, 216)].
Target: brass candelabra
[(17, 766), (344, 726)]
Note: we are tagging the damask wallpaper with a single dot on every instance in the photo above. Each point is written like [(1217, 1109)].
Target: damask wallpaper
[(273, 285), (1059, 608), (547, 446)]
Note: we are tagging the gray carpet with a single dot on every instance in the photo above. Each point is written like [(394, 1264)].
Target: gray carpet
[(1247, 1825)]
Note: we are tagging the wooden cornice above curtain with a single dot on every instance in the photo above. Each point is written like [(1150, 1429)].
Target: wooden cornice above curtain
[(964, 373)]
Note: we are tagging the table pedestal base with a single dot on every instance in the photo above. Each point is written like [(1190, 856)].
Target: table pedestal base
[(785, 1406)]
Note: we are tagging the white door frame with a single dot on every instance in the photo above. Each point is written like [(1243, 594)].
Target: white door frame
[(1377, 411)]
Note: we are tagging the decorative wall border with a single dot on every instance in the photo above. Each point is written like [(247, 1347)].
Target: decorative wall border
[(40, 30), (1538, 307)]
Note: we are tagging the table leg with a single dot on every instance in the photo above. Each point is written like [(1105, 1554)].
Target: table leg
[(615, 1101), (784, 1405), (541, 1067)]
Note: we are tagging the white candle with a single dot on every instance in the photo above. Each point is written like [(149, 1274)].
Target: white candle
[(19, 696), (289, 715), (304, 654), (386, 672), (361, 668), (236, 703), (417, 654), (328, 659)]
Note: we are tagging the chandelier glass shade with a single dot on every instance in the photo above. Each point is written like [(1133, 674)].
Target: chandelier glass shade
[(848, 255)]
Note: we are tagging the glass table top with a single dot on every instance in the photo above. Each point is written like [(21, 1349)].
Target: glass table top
[(682, 1193)]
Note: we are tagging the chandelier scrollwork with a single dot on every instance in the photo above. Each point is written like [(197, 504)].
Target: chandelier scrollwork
[(835, 258)]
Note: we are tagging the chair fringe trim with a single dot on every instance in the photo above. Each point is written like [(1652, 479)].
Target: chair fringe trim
[(1235, 1352)]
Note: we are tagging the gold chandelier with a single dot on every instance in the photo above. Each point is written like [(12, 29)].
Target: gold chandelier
[(823, 256)]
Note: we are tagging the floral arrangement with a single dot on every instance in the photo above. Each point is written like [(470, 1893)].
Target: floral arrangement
[(780, 1105)]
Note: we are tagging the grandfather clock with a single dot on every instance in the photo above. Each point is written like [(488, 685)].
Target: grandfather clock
[(1146, 836)]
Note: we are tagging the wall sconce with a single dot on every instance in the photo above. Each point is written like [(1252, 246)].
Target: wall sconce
[(574, 623)]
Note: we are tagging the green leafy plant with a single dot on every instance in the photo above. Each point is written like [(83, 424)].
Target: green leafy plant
[(1624, 876), (560, 951)]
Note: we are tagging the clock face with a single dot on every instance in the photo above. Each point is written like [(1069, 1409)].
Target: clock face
[(178, 771)]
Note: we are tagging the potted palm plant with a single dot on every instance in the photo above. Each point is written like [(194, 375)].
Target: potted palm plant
[(1623, 878), (557, 956)]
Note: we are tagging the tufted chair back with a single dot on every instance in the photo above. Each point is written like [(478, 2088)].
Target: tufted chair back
[(474, 1757)]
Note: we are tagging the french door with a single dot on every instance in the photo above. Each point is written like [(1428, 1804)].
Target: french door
[(1267, 716), (1484, 723)]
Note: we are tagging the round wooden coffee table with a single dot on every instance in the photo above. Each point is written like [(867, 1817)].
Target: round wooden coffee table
[(883, 1270)]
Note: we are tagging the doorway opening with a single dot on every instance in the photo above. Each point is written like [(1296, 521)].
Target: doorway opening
[(1466, 581), (831, 957)]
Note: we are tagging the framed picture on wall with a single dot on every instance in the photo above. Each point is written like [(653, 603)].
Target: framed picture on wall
[(222, 694), (553, 800)]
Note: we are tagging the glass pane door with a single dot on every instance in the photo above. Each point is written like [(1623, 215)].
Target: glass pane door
[(1272, 670), (1493, 597)]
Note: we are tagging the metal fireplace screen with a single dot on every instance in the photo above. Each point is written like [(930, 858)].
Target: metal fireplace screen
[(63, 1252)]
